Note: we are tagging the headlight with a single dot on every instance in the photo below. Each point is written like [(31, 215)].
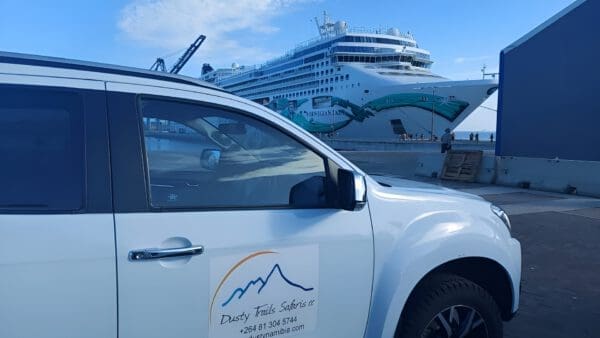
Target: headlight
[(501, 214)]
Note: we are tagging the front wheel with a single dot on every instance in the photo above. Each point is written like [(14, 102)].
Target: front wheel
[(449, 306)]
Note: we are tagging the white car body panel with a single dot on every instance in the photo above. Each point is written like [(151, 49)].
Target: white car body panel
[(345, 266), (57, 276), (418, 227)]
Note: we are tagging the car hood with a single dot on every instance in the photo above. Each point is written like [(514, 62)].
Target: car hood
[(403, 186)]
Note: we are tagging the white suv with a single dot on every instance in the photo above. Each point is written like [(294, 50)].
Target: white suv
[(137, 204)]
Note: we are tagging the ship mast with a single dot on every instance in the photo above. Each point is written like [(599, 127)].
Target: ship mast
[(327, 29)]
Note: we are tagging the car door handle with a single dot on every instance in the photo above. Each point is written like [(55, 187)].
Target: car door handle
[(144, 254)]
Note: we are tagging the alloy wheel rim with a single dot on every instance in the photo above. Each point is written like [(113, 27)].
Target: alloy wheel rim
[(457, 321)]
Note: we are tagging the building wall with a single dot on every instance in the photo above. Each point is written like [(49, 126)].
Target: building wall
[(549, 98)]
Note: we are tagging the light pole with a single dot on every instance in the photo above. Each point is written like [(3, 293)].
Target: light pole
[(433, 88)]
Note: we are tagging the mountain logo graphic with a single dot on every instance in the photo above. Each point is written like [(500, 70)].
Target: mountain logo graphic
[(261, 282), (240, 292)]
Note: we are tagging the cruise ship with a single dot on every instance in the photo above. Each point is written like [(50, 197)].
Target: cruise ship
[(357, 84)]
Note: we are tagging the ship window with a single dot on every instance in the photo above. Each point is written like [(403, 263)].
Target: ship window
[(331, 80), (353, 85), (326, 80), (326, 90), (347, 76), (331, 88), (358, 84), (327, 63)]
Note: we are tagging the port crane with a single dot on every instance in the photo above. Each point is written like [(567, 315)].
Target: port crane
[(159, 64)]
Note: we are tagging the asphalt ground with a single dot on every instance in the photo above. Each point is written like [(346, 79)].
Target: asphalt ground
[(560, 240)]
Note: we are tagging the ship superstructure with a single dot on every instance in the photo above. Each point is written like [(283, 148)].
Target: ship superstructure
[(362, 84)]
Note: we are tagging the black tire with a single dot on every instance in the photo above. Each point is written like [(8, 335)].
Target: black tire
[(443, 303)]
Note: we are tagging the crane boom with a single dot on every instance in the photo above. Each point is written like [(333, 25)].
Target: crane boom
[(187, 55)]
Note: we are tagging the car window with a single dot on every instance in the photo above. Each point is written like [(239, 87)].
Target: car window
[(203, 157), (41, 147)]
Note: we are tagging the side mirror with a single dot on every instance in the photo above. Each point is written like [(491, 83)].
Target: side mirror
[(352, 190), (210, 158)]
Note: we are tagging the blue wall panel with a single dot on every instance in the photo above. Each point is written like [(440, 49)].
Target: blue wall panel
[(549, 100)]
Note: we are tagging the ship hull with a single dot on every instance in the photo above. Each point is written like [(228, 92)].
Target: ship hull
[(387, 112)]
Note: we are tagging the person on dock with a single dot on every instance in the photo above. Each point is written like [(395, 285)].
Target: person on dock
[(492, 137), (446, 141), (471, 137), (476, 137)]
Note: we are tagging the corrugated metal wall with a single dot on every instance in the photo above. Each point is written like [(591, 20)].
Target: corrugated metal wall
[(549, 99)]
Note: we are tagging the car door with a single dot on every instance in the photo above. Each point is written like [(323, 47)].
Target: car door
[(57, 248), (238, 205)]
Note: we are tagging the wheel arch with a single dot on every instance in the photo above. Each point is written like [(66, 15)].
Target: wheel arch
[(485, 272)]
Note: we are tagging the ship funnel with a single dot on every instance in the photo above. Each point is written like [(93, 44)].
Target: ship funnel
[(394, 32), (235, 65)]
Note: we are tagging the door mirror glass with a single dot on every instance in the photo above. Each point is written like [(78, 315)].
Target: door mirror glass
[(352, 190), (210, 159)]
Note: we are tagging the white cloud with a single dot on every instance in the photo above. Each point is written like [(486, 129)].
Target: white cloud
[(174, 24)]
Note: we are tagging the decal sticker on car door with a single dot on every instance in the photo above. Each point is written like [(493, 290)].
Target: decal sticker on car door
[(264, 293)]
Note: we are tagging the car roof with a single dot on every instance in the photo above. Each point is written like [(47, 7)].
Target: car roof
[(62, 63)]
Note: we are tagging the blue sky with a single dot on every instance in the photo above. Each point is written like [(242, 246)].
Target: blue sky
[(462, 35)]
